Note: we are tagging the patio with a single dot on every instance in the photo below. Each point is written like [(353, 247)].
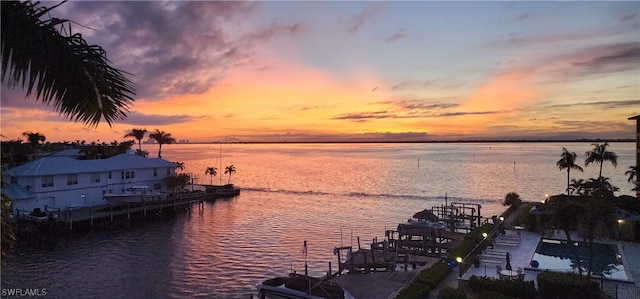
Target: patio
[(521, 246)]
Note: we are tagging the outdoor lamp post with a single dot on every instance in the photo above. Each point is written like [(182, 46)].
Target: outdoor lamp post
[(484, 235)]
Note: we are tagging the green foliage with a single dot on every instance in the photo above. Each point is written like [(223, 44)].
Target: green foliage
[(43, 55), (626, 202), (509, 288), (492, 295), (566, 285), (451, 293), (526, 219), (177, 181), (426, 281), (512, 199), (470, 241)]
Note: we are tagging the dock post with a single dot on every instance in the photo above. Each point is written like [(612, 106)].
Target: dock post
[(91, 215), (111, 212), (128, 213), (144, 209), (329, 274), (359, 243), (351, 258)]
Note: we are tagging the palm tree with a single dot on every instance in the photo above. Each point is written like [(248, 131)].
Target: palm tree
[(138, 134), (229, 169), (211, 171), (179, 165), (634, 178), (34, 140), (63, 70), (633, 173), (577, 185), (600, 154), (568, 161), (162, 137)]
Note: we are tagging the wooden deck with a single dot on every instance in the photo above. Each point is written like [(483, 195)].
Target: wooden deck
[(381, 285)]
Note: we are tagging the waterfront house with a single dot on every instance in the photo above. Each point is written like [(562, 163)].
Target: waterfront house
[(62, 182)]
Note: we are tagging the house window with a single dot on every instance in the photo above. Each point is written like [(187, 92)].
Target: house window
[(157, 186), (109, 174), (129, 174), (95, 177), (47, 181), (72, 179), (155, 172)]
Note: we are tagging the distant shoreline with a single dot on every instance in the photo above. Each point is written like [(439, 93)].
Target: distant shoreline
[(407, 142)]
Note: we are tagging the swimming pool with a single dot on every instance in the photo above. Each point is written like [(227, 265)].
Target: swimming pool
[(558, 255)]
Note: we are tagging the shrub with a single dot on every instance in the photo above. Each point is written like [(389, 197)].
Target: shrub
[(566, 285), (451, 293), (414, 291), (425, 282), (508, 288), (470, 241), (512, 199)]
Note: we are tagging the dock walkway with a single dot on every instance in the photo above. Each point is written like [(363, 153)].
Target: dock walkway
[(380, 285)]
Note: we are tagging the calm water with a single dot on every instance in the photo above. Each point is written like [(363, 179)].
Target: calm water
[(327, 194)]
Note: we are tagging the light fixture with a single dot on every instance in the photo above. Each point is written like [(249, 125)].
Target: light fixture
[(459, 260), (484, 235)]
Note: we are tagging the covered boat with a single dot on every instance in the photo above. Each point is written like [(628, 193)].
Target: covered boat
[(302, 287)]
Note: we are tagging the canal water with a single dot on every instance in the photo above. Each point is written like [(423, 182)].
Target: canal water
[(327, 194)]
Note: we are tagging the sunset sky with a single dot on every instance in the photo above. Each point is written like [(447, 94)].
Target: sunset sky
[(358, 71)]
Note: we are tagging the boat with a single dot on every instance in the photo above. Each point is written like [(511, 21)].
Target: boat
[(300, 287), (228, 190), (38, 215), (425, 224), (136, 194)]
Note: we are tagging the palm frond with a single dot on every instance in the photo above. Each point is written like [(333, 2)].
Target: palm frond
[(64, 70)]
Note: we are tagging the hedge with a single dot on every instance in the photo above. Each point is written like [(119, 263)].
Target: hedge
[(451, 293), (566, 285), (426, 281), (508, 288)]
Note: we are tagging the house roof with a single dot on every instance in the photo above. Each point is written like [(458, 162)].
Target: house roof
[(637, 117), (53, 166), (66, 165), (130, 161)]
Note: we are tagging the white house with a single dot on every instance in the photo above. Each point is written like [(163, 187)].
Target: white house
[(63, 182)]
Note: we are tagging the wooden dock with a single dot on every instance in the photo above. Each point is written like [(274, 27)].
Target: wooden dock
[(109, 215), (381, 285)]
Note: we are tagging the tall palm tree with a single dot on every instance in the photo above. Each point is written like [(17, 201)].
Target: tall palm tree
[(62, 69), (34, 140), (568, 161), (211, 171), (229, 169), (162, 137), (138, 134), (600, 154)]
